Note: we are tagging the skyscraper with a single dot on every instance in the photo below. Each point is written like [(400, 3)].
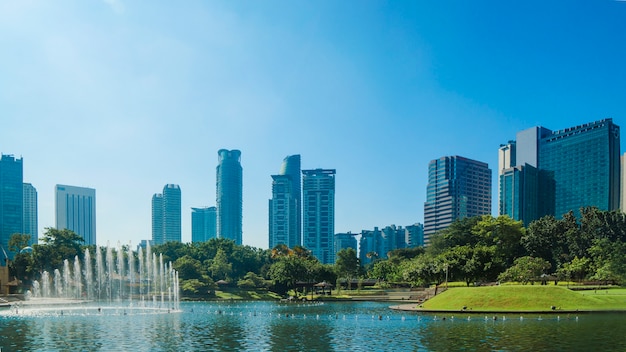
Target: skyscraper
[(29, 219), (157, 219), (229, 195), (318, 187), (11, 201), (555, 172), (76, 211), (203, 224), (166, 215), (285, 205), (457, 188)]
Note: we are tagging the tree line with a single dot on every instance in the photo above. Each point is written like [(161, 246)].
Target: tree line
[(472, 250)]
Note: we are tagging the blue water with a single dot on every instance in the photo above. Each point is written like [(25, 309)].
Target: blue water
[(334, 326)]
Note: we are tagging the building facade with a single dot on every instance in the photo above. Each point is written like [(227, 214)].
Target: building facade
[(285, 207), (29, 217), (203, 224), (415, 235), (11, 202), (457, 188), (555, 172), (76, 211), (229, 199), (166, 215), (318, 200)]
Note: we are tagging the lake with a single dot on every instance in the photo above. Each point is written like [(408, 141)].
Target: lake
[(330, 326)]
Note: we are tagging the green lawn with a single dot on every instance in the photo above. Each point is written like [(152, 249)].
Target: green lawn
[(526, 298)]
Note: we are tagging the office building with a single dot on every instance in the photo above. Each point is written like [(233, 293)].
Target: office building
[(457, 188), (11, 202), (29, 217), (285, 205), (318, 200), (555, 172), (229, 197), (166, 215), (76, 211), (203, 224)]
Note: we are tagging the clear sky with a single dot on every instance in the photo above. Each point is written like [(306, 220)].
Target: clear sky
[(127, 96)]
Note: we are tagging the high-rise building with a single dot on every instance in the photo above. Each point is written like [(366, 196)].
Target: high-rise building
[(203, 224), (318, 200), (345, 241), (11, 202), (285, 205), (157, 219), (415, 235), (29, 218), (555, 172), (166, 215), (457, 188), (76, 211), (229, 195)]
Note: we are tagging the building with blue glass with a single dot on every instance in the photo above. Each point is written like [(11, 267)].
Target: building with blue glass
[(203, 224), (76, 211), (29, 217), (555, 172), (318, 200), (166, 215), (229, 198), (11, 202), (457, 188), (285, 207)]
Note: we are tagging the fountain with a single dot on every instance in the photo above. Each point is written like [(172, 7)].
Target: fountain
[(109, 284)]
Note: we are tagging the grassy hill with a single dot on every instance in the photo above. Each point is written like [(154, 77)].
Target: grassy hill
[(526, 298)]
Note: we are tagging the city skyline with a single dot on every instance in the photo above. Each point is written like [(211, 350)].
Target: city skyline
[(124, 97)]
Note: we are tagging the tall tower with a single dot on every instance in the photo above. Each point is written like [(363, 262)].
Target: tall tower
[(157, 219), (457, 188), (76, 211), (285, 206), (171, 213), (166, 215), (11, 201), (229, 197), (203, 224), (29, 226), (318, 188)]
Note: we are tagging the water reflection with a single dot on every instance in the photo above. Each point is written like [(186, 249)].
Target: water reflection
[(270, 326)]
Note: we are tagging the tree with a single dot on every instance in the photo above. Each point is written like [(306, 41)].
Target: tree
[(57, 246), (220, 268), (347, 264), (525, 270), (18, 241)]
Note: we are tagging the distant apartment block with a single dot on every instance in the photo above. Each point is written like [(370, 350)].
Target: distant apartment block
[(166, 215), (29, 223), (76, 211), (457, 188), (345, 241), (318, 188), (285, 207)]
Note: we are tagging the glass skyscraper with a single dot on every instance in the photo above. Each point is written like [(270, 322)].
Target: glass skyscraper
[(229, 200), (561, 171), (457, 188), (318, 188), (166, 215), (285, 205), (76, 211), (29, 219), (203, 224), (11, 201)]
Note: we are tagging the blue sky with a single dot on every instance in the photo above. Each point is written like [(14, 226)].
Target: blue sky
[(126, 96)]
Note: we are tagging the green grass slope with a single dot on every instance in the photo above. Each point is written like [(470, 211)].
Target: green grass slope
[(526, 298)]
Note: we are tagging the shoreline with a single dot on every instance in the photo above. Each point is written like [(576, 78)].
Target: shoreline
[(413, 308)]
